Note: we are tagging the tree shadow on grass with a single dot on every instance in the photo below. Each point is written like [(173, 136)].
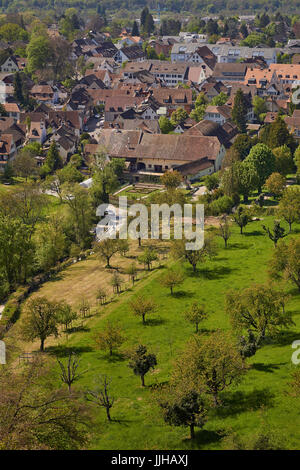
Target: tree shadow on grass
[(234, 403), (286, 337), (217, 272), (78, 329), (237, 246), (267, 367), (179, 294), (115, 357), (64, 351), (154, 321), (202, 438), (255, 233)]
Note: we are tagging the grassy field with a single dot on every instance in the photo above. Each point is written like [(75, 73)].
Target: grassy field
[(137, 420)]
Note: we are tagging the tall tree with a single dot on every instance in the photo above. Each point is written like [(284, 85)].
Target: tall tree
[(41, 320), (263, 160), (239, 111)]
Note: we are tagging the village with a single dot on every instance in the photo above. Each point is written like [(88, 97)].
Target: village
[(158, 115), (149, 228)]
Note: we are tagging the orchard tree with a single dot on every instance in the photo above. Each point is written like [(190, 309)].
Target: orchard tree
[(224, 230), (241, 217), (65, 315), (186, 408), (69, 372), (171, 279), (260, 308), (285, 262), (277, 233), (247, 346), (100, 395), (132, 272), (101, 295), (149, 255), (142, 306), (116, 282), (41, 320), (106, 248), (195, 314), (208, 250), (289, 205), (141, 362), (210, 364), (109, 338)]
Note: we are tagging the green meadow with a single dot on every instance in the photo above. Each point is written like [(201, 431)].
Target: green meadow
[(137, 421)]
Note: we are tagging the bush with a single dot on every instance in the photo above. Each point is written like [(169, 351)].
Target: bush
[(223, 205)]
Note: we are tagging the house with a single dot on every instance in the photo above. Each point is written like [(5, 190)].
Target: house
[(37, 131), (265, 81), (7, 149), (106, 49), (71, 119), (162, 46), (168, 73), (12, 109), (173, 98), (92, 82), (10, 65), (212, 88), (44, 93), (66, 141), (230, 72), (153, 154), (287, 73), (131, 53), (116, 105), (128, 40), (225, 133), (102, 75), (270, 117), (81, 101), (225, 53), (218, 114)]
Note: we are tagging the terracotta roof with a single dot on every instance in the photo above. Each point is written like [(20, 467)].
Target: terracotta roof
[(6, 141), (270, 117), (286, 71), (223, 110), (5, 123), (259, 78), (172, 96), (71, 118), (120, 103), (11, 107)]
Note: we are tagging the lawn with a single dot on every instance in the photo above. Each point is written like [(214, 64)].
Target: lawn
[(138, 423)]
